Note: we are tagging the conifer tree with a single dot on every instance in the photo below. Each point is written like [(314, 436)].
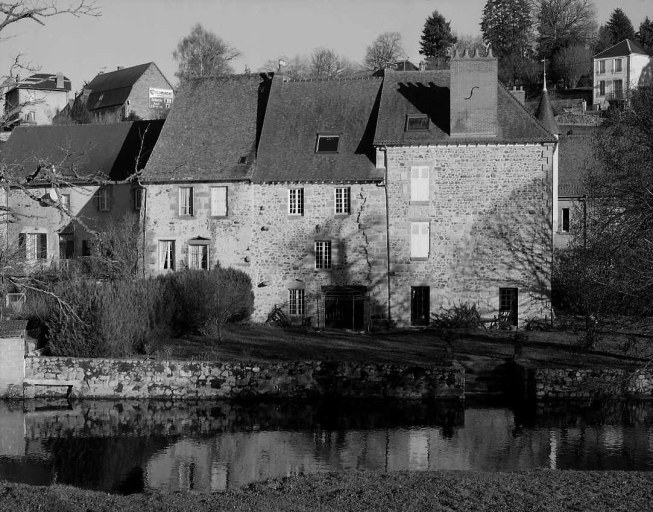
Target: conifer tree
[(436, 36), (620, 27), (506, 25), (645, 34)]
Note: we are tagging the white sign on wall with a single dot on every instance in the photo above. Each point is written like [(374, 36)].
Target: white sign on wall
[(161, 98)]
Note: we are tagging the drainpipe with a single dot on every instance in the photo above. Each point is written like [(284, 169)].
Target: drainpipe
[(144, 213), (387, 230)]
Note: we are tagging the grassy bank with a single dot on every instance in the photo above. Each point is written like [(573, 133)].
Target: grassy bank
[(549, 491)]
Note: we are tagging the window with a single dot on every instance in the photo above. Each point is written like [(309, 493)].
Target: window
[(618, 89), (167, 254), (219, 201), (296, 201), (601, 66), (138, 198), (618, 66), (35, 244), (419, 240), (419, 183), (66, 246), (419, 305), (198, 256), (417, 122), (103, 199), (508, 300), (565, 220), (323, 254), (602, 88), (327, 143), (64, 200), (343, 200), (186, 201), (86, 248), (296, 303)]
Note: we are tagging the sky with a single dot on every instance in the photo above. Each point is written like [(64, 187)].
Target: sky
[(132, 32)]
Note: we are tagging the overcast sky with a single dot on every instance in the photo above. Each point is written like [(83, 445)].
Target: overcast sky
[(132, 32)]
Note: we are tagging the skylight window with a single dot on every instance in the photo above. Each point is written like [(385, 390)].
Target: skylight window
[(417, 122), (327, 143)]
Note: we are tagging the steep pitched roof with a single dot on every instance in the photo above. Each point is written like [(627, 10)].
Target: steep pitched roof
[(214, 124), (545, 115), (82, 150), (42, 82), (299, 111), (625, 47), (427, 92), (575, 154), (113, 88)]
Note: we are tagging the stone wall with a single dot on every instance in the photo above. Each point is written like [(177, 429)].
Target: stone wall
[(283, 245), (145, 378), (552, 384), (489, 213)]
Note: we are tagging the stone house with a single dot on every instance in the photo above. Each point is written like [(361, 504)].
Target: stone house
[(360, 200), (619, 69), (35, 100), (140, 92), (469, 177), (50, 219)]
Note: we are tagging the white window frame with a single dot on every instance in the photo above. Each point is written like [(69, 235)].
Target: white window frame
[(186, 202), (342, 200), (167, 256), (420, 234), (419, 183), (296, 201), (601, 66), (601, 87), (323, 259), (296, 302), (34, 250), (198, 256), (103, 199), (139, 193), (220, 201), (327, 136)]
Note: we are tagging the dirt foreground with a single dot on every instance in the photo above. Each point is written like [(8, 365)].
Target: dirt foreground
[(543, 490)]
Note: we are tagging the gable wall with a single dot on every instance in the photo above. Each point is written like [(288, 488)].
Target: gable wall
[(139, 98), (490, 217)]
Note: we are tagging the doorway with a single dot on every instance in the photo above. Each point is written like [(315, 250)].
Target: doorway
[(344, 307)]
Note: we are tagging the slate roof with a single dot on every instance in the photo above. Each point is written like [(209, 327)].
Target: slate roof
[(41, 82), (625, 47), (12, 328), (545, 115), (89, 149), (113, 88), (427, 92), (300, 110), (574, 156), (213, 123)]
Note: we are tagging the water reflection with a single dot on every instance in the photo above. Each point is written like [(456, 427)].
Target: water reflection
[(129, 447)]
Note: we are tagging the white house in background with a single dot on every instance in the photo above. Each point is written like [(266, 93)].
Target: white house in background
[(619, 69)]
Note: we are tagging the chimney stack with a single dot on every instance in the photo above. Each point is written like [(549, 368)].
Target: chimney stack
[(473, 95), (60, 81), (519, 93)]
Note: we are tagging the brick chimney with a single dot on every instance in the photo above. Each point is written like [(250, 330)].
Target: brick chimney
[(519, 93), (60, 82), (473, 95)]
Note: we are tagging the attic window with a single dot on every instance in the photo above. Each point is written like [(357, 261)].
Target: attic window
[(417, 122), (327, 143), (242, 160)]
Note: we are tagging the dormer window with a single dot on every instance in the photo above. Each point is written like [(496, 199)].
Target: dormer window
[(327, 143), (417, 122)]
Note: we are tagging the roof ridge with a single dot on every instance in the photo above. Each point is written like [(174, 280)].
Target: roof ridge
[(332, 79)]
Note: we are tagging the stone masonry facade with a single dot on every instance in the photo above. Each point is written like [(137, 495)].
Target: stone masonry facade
[(488, 212)]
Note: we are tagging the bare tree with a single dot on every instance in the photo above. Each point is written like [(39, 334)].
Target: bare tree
[(40, 10), (571, 63), (325, 63), (561, 23), (202, 53), (385, 50)]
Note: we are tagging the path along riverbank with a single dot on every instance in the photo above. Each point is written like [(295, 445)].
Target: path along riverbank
[(543, 490)]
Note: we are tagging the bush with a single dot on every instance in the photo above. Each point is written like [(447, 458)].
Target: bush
[(460, 316), (208, 300)]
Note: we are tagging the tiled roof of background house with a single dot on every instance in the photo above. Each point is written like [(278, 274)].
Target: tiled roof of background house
[(89, 149), (113, 88), (574, 155), (41, 82), (427, 92), (299, 111), (625, 47), (12, 328), (211, 131)]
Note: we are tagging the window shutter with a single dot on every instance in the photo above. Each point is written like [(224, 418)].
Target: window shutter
[(22, 244), (419, 183), (42, 247), (419, 240), (219, 201)]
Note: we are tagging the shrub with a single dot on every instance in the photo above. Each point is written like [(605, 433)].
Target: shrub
[(459, 316)]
